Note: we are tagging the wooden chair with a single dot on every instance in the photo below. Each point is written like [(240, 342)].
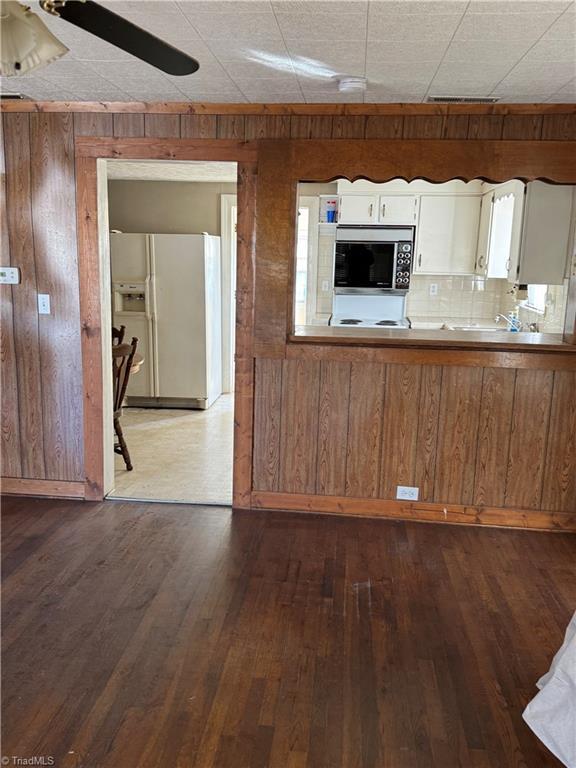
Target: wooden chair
[(122, 357), (118, 334)]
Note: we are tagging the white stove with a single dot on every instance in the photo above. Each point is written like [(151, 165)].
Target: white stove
[(370, 322), (370, 311)]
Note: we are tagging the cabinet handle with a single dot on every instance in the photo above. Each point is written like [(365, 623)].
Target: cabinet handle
[(419, 259), (383, 210), (481, 262), (371, 209), (508, 264)]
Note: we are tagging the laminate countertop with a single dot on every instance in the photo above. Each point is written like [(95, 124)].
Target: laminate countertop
[(438, 339)]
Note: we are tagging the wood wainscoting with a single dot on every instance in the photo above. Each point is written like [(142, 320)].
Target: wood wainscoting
[(483, 445), (51, 382)]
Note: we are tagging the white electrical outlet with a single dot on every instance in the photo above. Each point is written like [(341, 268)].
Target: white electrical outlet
[(433, 289), (43, 304), (325, 286), (9, 275), (406, 492)]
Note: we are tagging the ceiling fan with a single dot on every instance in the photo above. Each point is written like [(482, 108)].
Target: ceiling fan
[(27, 43)]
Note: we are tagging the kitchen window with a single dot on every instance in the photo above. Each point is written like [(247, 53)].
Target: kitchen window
[(537, 298)]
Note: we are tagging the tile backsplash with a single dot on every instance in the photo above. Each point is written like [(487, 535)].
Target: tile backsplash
[(465, 296), (478, 298)]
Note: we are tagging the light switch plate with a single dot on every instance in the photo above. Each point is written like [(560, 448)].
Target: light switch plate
[(407, 493), (43, 304), (9, 275)]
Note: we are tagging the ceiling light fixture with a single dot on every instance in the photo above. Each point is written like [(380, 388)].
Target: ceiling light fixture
[(351, 84), (26, 42)]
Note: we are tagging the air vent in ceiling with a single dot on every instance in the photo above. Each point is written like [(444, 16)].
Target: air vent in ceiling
[(463, 99)]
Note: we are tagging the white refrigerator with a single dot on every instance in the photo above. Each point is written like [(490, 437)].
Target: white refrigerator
[(167, 292)]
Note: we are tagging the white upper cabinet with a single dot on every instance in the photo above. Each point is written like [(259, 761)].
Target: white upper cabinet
[(484, 234), (548, 212), (447, 234), (358, 209), (398, 210)]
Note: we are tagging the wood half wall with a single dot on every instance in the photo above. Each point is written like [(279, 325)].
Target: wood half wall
[(42, 376)]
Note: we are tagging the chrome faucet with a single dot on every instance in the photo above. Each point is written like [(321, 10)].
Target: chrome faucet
[(511, 323)]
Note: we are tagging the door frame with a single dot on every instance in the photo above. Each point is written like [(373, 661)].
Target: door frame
[(227, 203), (92, 272)]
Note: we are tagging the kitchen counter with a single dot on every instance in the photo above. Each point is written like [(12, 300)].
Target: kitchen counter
[(435, 338)]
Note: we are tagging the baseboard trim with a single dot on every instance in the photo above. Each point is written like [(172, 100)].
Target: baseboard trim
[(421, 511), (59, 489)]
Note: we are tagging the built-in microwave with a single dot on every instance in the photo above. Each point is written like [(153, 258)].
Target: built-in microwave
[(373, 259)]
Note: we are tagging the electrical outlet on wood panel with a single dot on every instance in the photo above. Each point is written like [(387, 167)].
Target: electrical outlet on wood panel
[(407, 493)]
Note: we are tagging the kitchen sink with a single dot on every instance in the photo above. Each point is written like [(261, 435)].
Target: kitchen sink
[(482, 328)]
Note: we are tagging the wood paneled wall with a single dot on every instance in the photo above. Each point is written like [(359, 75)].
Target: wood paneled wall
[(41, 429), (470, 436)]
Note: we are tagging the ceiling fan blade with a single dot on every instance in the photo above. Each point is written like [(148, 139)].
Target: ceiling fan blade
[(123, 34)]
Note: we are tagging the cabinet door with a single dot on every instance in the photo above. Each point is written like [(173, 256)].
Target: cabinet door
[(358, 209), (398, 209), (447, 234), (484, 234), (546, 233)]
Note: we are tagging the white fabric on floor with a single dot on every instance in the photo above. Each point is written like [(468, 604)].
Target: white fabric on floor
[(552, 713)]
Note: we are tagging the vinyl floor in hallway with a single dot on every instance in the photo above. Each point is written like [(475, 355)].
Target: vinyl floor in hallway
[(166, 636), (178, 455)]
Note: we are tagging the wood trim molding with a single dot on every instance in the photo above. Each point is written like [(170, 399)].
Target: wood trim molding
[(435, 160), (189, 108), (87, 152), (167, 149), (21, 486), (419, 511), (532, 359), (244, 362), (90, 324)]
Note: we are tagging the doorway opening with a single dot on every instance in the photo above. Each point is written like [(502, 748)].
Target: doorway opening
[(168, 231)]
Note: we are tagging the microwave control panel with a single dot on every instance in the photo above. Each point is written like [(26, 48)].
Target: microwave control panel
[(403, 265)]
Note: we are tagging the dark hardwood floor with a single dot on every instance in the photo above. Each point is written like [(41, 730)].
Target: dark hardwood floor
[(166, 636)]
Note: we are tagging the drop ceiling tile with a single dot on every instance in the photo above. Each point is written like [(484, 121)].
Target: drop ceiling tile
[(457, 71), (246, 70), (528, 98), (128, 70), (238, 27), (564, 28), (335, 57), (324, 26), (193, 7), (322, 84), (289, 97), (423, 7), (389, 51), (234, 50), (486, 51), (152, 8), (335, 7), (508, 90), (527, 27), (546, 50), (411, 27), (321, 97), (517, 6), (555, 72), (266, 85), (172, 27), (223, 87)]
